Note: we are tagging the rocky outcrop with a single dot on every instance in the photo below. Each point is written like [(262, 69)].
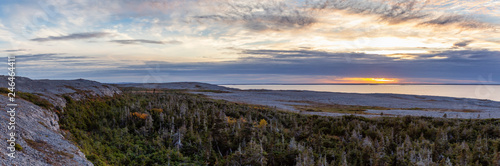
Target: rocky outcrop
[(37, 128), (177, 85), (53, 90)]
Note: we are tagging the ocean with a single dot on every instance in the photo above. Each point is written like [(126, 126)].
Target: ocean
[(487, 92)]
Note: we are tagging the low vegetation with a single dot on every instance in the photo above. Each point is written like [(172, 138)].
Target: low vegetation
[(52, 155), (358, 109), (4, 91), (212, 91), (18, 147), (175, 128), (33, 98), (335, 108)]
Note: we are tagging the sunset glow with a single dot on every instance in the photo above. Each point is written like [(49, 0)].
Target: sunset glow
[(370, 80), (259, 41)]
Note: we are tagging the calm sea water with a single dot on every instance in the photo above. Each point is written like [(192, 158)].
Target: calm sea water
[(489, 92)]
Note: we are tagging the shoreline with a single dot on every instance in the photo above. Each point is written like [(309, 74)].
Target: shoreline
[(399, 104)]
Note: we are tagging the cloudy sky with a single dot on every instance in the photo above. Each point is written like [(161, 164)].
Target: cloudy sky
[(258, 41)]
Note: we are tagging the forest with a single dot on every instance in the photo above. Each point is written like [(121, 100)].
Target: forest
[(178, 128)]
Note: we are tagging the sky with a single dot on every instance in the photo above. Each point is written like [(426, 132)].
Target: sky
[(258, 41)]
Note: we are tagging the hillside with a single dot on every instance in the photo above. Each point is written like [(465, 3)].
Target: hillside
[(172, 127), (177, 85), (37, 125)]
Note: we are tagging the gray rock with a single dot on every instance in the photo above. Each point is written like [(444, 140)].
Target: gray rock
[(177, 85), (37, 129)]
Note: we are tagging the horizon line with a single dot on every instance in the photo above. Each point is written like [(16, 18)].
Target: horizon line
[(424, 83)]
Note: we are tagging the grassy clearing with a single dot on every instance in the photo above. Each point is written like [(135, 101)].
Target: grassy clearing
[(358, 109), (335, 108), (212, 91)]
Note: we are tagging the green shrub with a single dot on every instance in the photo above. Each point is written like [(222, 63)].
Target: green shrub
[(35, 99), (18, 147), (4, 90)]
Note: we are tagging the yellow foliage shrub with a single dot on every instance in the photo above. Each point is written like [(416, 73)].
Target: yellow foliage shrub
[(262, 123), (157, 110), (230, 120), (234, 120)]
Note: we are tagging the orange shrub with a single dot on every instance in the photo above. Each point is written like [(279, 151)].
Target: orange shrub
[(157, 110), (139, 115)]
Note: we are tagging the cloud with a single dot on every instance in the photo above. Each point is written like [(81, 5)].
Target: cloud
[(268, 31), (293, 15), (460, 44), (139, 41), (48, 57), (289, 55), (398, 11), (266, 22), (457, 65), (260, 15), (459, 20), (392, 11), (15, 50), (469, 57), (74, 36)]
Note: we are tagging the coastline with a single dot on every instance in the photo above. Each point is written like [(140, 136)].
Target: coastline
[(393, 104), (400, 105)]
